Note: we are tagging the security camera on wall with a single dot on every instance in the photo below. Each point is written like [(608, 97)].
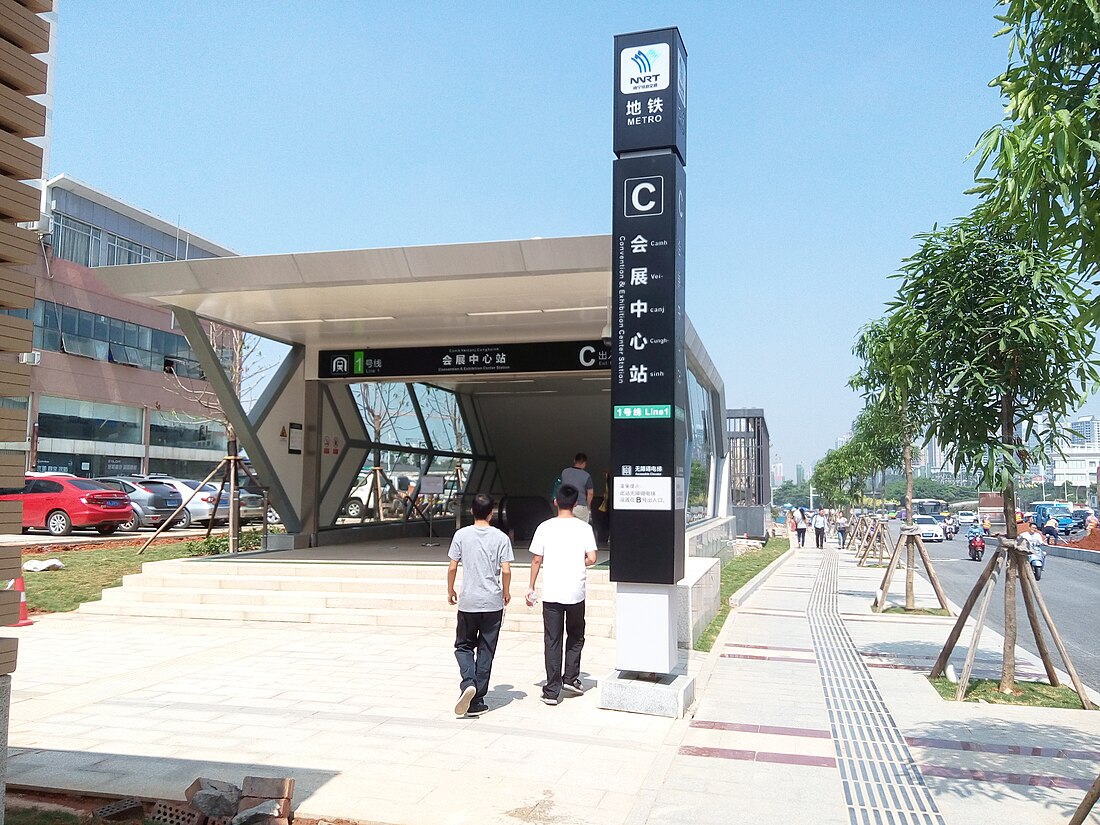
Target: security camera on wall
[(606, 336)]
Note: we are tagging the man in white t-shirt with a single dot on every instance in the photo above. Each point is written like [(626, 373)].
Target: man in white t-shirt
[(563, 546)]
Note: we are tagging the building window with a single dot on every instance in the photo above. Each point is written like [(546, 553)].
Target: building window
[(76, 241), (88, 420), (168, 429), (73, 331)]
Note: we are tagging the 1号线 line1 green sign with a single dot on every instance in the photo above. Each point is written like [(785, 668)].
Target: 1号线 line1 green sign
[(645, 411)]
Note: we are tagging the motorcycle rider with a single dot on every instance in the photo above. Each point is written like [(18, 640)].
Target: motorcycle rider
[(1032, 541)]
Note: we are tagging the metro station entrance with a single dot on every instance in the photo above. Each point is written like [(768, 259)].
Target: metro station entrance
[(411, 452)]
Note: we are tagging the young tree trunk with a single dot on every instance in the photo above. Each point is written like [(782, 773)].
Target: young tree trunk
[(910, 553), (1008, 667), (907, 467)]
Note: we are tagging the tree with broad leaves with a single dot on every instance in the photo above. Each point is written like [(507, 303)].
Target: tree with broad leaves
[(896, 383), (999, 323), (1040, 167)]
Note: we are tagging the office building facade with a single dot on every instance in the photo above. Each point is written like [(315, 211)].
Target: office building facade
[(113, 388)]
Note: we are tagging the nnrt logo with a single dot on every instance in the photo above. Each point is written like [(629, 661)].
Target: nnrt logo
[(644, 69), (340, 365)]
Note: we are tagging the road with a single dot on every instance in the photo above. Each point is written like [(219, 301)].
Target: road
[(1070, 589)]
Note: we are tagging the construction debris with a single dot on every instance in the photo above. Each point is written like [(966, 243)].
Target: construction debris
[(120, 811)]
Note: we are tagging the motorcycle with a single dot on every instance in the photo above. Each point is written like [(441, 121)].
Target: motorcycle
[(976, 546), (1035, 559)]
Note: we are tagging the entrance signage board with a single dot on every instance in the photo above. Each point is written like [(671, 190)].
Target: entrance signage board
[(399, 362), (648, 369), (651, 92)]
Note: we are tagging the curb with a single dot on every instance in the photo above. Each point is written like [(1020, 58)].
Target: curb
[(754, 584), (1075, 553)]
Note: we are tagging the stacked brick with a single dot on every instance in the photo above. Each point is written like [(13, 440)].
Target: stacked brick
[(259, 801)]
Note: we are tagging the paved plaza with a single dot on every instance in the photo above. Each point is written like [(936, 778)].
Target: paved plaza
[(809, 708)]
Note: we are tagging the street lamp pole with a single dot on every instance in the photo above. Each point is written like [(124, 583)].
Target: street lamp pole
[(811, 497)]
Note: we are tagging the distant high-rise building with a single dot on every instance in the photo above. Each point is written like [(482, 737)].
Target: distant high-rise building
[(799, 474), (842, 440), (1085, 431)]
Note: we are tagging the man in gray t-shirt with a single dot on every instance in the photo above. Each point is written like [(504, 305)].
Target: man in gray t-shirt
[(486, 555), (577, 476)]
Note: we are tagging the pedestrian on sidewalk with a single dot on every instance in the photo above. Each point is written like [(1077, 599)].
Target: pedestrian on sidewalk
[(841, 529), (486, 555), (563, 546), (800, 525), (819, 523)]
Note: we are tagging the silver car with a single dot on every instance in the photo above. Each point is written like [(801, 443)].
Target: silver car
[(200, 509)]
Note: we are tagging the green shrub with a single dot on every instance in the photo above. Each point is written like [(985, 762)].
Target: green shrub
[(217, 545)]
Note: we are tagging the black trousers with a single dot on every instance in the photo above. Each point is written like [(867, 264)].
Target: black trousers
[(801, 531), (819, 537), (475, 646), (560, 620)]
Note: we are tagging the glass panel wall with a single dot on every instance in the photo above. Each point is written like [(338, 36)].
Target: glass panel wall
[(387, 487), (59, 328), (88, 420), (443, 417), (699, 452), (174, 429), (388, 414)]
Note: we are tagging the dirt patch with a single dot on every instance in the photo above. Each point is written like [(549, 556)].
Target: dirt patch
[(1089, 542), (78, 805), (137, 541)]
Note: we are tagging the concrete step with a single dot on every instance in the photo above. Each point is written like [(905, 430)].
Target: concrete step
[(334, 584), (303, 569), (595, 626), (138, 591)]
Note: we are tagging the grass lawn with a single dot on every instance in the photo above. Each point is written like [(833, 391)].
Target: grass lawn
[(38, 816), (1032, 694), (86, 573), (735, 575)]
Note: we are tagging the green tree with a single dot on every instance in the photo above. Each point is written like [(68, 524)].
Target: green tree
[(1039, 166), (999, 323), (797, 495), (894, 376)]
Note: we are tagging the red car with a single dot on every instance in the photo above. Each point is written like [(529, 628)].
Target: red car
[(60, 503)]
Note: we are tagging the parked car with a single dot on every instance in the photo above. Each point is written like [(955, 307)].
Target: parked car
[(200, 509), (153, 501), (63, 502), (1079, 517), (252, 488), (930, 529)]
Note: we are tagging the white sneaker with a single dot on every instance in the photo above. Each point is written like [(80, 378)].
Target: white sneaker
[(463, 703)]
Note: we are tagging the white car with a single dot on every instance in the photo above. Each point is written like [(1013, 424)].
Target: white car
[(967, 517), (930, 530)]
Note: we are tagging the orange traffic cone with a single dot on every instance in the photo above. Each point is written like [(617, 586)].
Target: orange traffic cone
[(21, 589)]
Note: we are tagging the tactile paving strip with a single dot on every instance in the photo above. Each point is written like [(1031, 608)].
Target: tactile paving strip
[(882, 784)]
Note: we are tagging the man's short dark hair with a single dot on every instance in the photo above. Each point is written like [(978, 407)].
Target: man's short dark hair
[(567, 497), (482, 506), (579, 457)]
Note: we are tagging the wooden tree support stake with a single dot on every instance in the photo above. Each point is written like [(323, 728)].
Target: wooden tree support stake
[(1085, 808), (911, 541), (1033, 598)]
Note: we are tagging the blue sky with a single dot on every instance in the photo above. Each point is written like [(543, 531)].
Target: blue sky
[(822, 137)]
